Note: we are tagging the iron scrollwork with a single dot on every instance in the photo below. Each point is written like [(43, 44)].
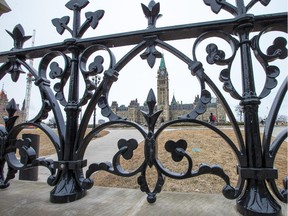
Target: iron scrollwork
[(258, 171), (64, 168), (177, 150), (255, 157)]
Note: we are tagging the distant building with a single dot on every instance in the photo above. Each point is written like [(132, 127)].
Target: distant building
[(171, 110)]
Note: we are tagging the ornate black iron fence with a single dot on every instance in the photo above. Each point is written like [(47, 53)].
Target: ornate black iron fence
[(255, 155)]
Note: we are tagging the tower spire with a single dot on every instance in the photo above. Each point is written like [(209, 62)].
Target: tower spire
[(162, 63), (162, 71), (163, 90)]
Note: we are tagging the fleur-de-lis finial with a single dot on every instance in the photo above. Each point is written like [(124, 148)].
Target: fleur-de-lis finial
[(151, 117), (151, 53), (13, 66), (92, 19), (152, 13), (11, 108), (18, 35), (217, 5)]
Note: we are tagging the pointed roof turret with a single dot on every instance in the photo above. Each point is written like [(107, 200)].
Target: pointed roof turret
[(174, 102), (162, 71), (162, 63)]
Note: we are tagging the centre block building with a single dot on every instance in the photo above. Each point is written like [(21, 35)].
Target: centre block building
[(171, 110)]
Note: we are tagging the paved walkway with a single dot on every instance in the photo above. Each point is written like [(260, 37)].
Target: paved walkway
[(104, 148), (30, 198), (24, 198)]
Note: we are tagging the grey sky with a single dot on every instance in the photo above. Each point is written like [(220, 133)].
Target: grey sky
[(137, 78)]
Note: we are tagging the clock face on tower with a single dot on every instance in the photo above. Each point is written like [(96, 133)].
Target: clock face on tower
[(162, 72)]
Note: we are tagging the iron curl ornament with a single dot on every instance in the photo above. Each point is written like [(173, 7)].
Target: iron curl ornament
[(177, 150), (255, 155), (65, 168), (257, 174)]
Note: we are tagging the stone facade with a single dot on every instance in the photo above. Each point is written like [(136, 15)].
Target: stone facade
[(171, 110), (3, 104)]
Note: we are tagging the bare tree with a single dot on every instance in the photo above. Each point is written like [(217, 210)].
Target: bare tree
[(239, 111)]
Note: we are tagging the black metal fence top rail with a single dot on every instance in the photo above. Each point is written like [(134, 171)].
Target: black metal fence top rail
[(177, 32)]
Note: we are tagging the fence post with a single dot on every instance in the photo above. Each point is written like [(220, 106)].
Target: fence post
[(31, 174)]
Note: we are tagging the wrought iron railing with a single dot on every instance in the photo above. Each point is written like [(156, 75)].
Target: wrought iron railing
[(255, 156)]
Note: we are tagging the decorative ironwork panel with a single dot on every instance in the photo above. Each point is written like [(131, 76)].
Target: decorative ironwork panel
[(255, 155)]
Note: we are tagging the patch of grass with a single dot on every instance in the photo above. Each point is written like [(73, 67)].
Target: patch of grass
[(213, 150)]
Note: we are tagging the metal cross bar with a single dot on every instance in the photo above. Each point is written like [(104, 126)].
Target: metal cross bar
[(177, 32)]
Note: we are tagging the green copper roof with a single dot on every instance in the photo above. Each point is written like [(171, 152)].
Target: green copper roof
[(174, 102), (162, 63)]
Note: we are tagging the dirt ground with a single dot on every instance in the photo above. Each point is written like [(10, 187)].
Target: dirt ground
[(204, 146)]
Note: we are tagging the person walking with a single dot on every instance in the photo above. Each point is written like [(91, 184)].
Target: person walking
[(212, 119)]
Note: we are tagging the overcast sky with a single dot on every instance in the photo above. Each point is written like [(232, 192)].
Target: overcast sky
[(137, 78)]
